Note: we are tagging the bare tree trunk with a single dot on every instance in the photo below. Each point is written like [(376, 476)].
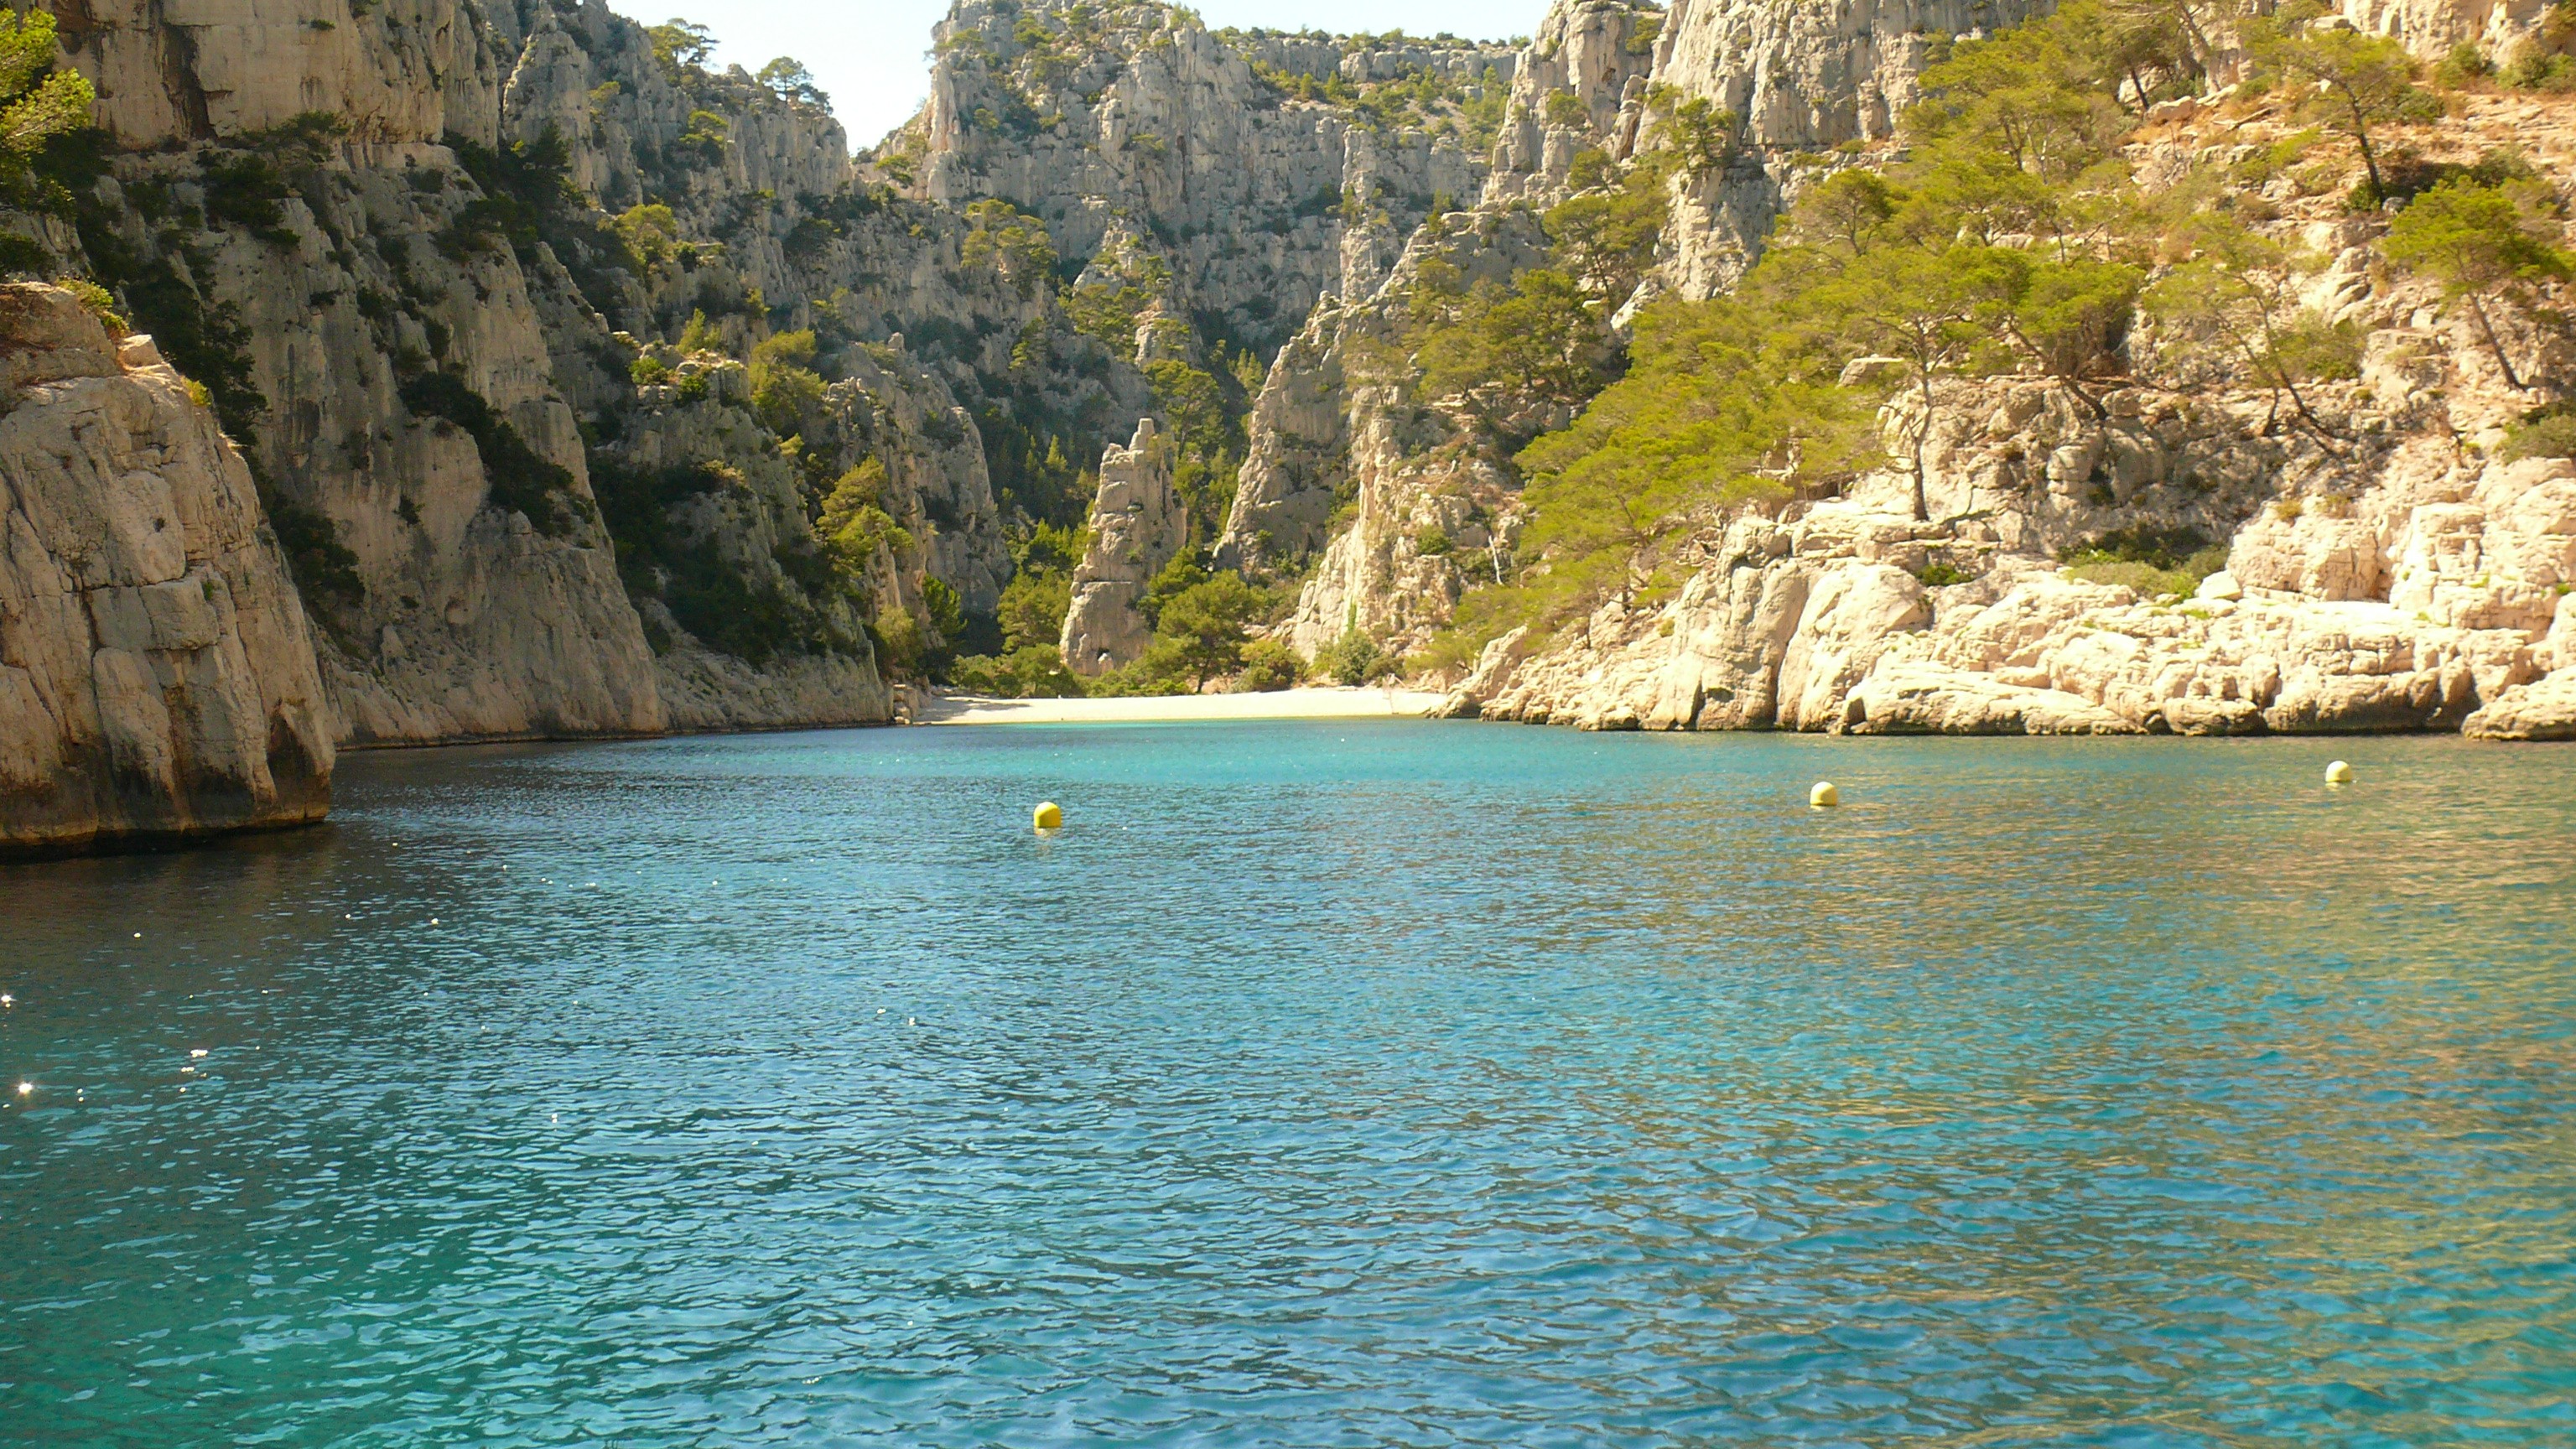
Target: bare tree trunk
[(2494, 343), (2369, 157), (1922, 439)]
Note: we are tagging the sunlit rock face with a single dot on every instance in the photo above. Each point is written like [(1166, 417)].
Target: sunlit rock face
[(156, 679), (1137, 524), (1094, 116)]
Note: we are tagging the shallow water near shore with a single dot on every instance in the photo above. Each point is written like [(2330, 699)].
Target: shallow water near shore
[(1322, 1083)]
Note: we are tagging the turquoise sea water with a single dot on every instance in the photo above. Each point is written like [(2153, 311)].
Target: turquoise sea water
[(1320, 1084)]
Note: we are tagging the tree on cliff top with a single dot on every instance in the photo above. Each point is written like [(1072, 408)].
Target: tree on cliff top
[(791, 80), (679, 43)]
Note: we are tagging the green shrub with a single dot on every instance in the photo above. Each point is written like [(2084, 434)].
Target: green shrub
[(2534, 68), (2148, 579), (2163, 548), (2541, 435), (2464, 65), (100, 304), (1354, 658), (1269, 664), (1033, 671)]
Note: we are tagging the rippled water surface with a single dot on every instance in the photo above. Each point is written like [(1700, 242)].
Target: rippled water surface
[(1384, 1083)]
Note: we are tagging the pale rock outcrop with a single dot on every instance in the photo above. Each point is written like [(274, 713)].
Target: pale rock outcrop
[(1579, 85), (2395, 585), (156, 676), (1852, 613), (1338, 431), (1138, 115), (1930, 699), (1426, 523), (1801, 80), (589, 75), (392, 71), (1809, 77), (2542, 710), (1298, 460), (1137, 524), (2431, 27)]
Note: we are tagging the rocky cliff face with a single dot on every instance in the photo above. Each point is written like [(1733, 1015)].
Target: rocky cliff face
[(1262, 170), (1800, 81), (2385, 577), (156, 679), (1579, 85), (403, 70), (1335, 422), (1137, 525), (417, 251), (594, 392), (2401, 583)]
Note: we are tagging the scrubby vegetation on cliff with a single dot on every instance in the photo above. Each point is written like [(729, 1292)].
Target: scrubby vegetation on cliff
[(2006, 234)]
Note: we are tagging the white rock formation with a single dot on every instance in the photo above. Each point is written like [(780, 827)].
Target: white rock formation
[(156, 677), (397, 70), (2434, 598), (1138, 115), (1137, 524)]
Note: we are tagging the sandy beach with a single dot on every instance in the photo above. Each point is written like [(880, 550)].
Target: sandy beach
[(949, 709)]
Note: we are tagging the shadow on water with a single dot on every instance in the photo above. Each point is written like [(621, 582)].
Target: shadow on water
[(1326, 1082)]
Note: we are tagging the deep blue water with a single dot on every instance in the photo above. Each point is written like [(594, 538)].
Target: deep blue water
[(1321, 1083)]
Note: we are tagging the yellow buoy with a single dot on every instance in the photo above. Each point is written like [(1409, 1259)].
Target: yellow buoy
[(1824, 794), (1049, 817), (2338, 773)]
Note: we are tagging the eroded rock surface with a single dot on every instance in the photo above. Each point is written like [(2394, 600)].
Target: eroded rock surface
[(2429, 597), (156, 679), (1137, 524)]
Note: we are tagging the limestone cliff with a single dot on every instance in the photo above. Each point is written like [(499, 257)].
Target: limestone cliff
[(156, 680), (1264, 170), (2403, 579), (388, 240), (2385, 569), (1579, 85), (1136, 526), (591, 390)]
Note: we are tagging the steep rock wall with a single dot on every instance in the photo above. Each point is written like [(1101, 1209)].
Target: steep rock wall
[(1136, 526), (399, 70), (465, 608), (1087, 117), (156, 679), (1580, 84), (420, 344), (1336, 424)]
